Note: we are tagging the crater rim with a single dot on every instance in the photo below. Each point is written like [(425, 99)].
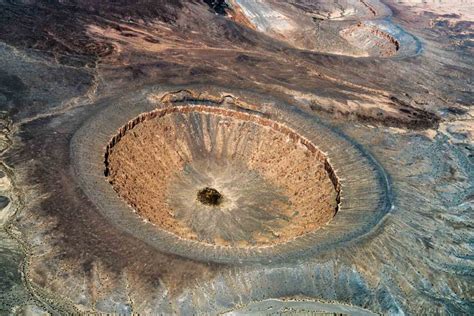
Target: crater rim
[(259, 120)]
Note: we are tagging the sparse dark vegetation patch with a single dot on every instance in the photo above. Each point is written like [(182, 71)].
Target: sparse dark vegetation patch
[(209, 196)]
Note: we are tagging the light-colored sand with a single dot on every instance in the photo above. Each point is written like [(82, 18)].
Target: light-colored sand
[(463, 8)]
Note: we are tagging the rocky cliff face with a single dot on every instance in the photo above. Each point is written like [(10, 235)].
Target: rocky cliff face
[(273, 185)]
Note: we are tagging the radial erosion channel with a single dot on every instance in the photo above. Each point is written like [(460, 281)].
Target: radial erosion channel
[(222, 177), (215, 182)]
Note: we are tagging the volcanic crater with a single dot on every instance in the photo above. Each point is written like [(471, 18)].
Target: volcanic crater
[(222, 177)]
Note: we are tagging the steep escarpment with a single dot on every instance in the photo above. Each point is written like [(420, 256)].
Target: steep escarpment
[(222, 177)]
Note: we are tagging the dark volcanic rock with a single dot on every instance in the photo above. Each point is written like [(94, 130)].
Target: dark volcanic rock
[(219, 6), (4, 201)]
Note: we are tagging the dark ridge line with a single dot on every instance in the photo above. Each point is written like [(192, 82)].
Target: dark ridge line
[(372, 10)]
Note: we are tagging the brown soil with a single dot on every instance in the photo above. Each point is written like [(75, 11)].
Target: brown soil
[(148, 153)]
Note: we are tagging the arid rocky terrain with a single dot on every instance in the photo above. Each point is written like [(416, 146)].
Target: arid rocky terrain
[(236, 157)]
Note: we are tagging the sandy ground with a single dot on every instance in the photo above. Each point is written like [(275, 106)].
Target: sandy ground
[(396, 129), (463, 8)]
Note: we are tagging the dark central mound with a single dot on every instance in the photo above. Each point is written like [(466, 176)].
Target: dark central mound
[(209, 196)]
